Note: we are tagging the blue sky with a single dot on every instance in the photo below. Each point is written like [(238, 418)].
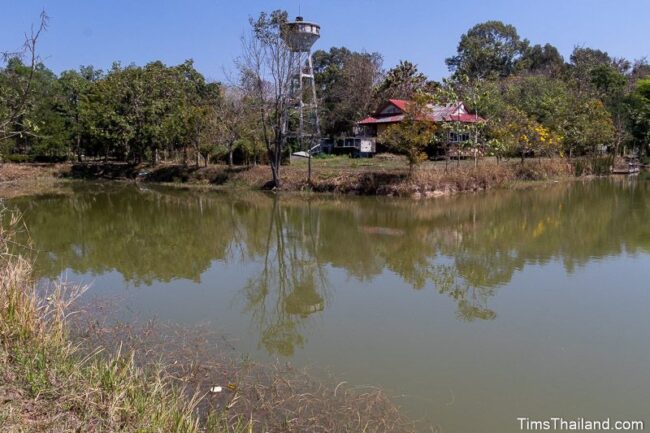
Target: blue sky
[(425, 32)]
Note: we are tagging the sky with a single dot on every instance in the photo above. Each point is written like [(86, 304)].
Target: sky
[(98, 32)]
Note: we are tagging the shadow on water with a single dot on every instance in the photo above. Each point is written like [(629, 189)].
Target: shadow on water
[(465, 247)]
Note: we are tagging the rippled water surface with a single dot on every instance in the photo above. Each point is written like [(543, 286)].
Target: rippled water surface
[(472, 311)]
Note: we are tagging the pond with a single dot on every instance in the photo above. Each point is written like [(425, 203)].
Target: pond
[(471, 311)]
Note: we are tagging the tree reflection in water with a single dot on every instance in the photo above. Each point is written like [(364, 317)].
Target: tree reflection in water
[(464, 247), (292, 284)]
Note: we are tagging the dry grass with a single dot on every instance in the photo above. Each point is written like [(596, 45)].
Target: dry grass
[(25, 179), (10, 172)]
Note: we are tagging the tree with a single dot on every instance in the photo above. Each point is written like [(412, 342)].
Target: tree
[(586, 58), (39, 130), (545, 60), (16, 88), (610, 87), (640, 109), (49, 139), (586, 61), (75, 89), (640, 70), (193, 97), (490, 49), (412, 135), (403, 82), (265, 78), (222, 127), (588, 127), (345, 81)]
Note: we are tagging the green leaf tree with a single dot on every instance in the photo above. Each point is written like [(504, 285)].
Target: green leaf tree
[(403, 82), (413, 135), (489, 49)]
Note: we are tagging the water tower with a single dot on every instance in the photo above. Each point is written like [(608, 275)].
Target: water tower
[(300, 36)]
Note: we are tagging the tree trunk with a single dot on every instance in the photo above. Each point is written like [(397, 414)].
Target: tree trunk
[(276, 175), (447, 159), (79, 159)]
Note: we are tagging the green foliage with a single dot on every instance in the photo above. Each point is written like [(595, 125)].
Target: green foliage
[(138, 113), (643, 88), (545, 60), (490, 49), (414, 134), (17, 158), (345, 82), (403, 82), (550, 113), (601, 166), (128, 113), (639, 103)]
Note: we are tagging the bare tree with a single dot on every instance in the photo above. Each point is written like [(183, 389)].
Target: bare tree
[(15, 102), (265, 75)]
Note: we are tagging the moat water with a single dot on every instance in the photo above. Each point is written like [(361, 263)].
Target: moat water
[(471, 311)]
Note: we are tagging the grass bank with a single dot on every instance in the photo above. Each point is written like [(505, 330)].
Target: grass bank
[(62, 371), (383, 175)]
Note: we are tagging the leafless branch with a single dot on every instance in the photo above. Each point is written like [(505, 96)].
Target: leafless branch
[(9, 124)]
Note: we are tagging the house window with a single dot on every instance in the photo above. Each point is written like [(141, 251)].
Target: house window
[(455, 137), (390, 110)]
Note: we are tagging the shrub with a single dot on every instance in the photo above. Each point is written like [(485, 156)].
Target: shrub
[(18, 158), (601, 166)]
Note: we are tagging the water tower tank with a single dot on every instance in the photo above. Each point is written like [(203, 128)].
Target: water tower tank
[(300, 35)]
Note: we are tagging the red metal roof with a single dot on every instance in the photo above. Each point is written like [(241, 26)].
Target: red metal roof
[(399, 103), (375, 120), (439, 113), (465, 118)]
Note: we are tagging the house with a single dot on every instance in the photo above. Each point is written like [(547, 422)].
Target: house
[(364, 143), (393, 111)]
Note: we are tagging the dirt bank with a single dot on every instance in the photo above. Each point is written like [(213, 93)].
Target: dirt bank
[(386, 176)]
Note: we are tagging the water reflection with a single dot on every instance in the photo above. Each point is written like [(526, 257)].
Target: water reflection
[(292, 283), (465, 247)]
